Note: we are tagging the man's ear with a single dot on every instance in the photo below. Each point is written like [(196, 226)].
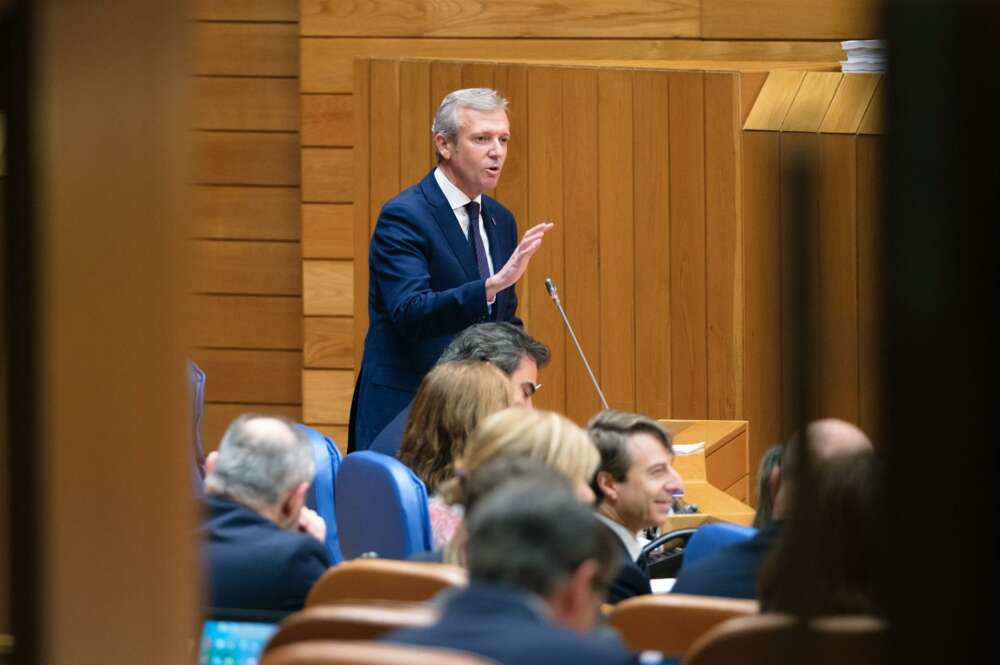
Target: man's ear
[(774, 482), (293, 501), (572, 602), (444, 148), (608, 485), (210, 461)]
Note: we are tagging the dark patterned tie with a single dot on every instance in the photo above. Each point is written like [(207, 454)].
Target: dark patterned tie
[(476, 240)]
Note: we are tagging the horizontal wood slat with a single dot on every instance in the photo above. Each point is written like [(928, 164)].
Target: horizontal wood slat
[(327, 175), (245, 10), (246, 49), (329, 343), (249, 213), (328, 120), (526, 18), (328, 288), (327, 395), (246, 158), (252, 377), (327, 231), (246, 103), (250, 322), (789, 19), (216, 417), (328, 64), (268, 268), (336, 432)]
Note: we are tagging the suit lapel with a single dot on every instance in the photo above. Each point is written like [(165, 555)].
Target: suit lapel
[(446, 221), (498, 252)]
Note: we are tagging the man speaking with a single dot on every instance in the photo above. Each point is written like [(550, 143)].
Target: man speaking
[(443, 256)]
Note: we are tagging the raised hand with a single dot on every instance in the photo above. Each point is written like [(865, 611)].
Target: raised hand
[(518, 261)]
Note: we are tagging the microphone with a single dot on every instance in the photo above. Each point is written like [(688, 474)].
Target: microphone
[(551, 288)]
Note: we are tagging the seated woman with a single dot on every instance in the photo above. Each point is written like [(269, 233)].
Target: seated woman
[(451, 400), (541, 436)]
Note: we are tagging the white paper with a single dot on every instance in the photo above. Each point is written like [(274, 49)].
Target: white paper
[(688, 448)]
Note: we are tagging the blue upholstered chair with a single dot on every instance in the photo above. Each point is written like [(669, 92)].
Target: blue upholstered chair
[(322, 493), (710, 538), (381, 507)]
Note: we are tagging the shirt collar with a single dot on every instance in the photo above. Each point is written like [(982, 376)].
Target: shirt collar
[(456, 197), (627, 537)]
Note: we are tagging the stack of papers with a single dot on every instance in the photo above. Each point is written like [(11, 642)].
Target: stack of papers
[(864, 55)]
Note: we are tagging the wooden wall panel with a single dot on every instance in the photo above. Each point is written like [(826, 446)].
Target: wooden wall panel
[(252, 377), (246, 213), (687, 246), (246, 49), (327, 288), (245, 10), (327, 121), (326, 175), (789, 19), (364, 216), (246, 158), (327, 231), (247, 322), (329, 342), (415, 117), (329, 393), (216, 418), (461, 18), (580, 294), (724, 247), (270, 104), (617, 238), (247, 268), (384, 149), (871, 318)]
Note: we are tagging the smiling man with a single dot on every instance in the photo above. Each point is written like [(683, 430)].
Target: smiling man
[(634, 486), (443, 256)]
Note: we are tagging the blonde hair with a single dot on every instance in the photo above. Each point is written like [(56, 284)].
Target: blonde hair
[(545, 436), (450, 402)]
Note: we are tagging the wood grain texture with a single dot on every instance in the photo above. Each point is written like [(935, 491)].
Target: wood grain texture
[(326, 175), (249, 322), (246, 103), (874, 120), (328, 288), (617, 237), (246, 158), (849, 104), (789, 19), (415, 146), (478, 75), (336, 432), (651, 125), (245, 10), (774, 100), (811, 102), (252, 377), (384, 141), (327, 121), (751, 83), (520, 18), (246, 268), (762, 232), (872, 338), (217, 416), (727, 463), (327, 396), (249, 213), (327, 231), (329, 343), (363, 214), (328, 64), (581, 292), (545, 203), (687, 247), (724, 246), (246, 49)]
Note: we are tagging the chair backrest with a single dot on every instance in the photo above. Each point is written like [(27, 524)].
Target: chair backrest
[(322, 493), (671, 623), (381, 507), (343, 652), (351, 621), (196, 408), (385, 579), (770, 638), (710, 538)]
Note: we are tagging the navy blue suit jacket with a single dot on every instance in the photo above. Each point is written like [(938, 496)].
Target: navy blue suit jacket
[(732, 571), (390, 439), (423, 289), (631, 580), (501, 623), (252, 563)]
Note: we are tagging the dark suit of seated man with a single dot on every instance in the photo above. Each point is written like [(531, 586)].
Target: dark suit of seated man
[(504, 345), (262, 548), (634, 486), (538, 567)]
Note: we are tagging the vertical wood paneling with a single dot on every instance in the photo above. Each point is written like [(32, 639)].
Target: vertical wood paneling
[(652, 243), (445, 77), (384, 109), (617, 238), (581, 292), (545, 189), (838, 278), (478, 75), (871, 331), (724, 246), (761, 217), (415, 145), (363, 215), (687, 244)]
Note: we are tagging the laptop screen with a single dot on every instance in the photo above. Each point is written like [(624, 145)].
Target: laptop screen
[(234, 640)]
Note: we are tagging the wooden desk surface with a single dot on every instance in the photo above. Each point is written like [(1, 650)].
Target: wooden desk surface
[(715, 433)]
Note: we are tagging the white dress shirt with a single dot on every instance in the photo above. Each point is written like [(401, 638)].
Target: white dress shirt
[(457, 200)]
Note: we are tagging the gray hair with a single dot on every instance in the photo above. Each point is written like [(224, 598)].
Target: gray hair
[(480, 99), (610, 431), (532, 533), (260, 458), (499, 343)]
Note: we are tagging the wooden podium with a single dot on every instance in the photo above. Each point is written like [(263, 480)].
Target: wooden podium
[(717, 477)]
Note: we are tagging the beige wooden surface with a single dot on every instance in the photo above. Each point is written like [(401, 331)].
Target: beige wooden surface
[(790, 19)]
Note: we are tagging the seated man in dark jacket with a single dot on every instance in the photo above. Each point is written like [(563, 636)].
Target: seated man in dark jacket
[(263, 549), (538, 567)]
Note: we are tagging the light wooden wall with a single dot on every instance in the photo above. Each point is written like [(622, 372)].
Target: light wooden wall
[(247, 270)]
